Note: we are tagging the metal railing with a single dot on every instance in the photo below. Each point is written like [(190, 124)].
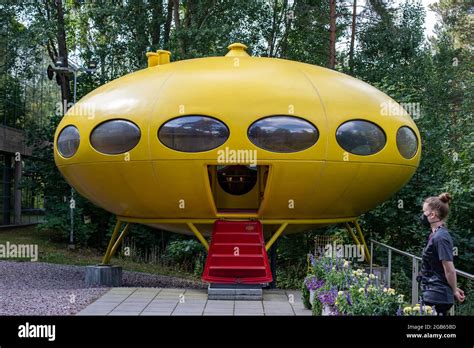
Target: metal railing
[(415, 268)]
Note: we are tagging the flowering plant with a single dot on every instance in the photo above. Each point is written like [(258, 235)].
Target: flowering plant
[(417, 310), (345, 291)]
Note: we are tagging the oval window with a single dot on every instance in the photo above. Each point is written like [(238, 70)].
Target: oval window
[(407, 142), (283, 134), (360, 137), (193, 133), (68, 141), (115, 136)]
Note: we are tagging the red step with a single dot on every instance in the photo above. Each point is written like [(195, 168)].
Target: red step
[(237, 254)]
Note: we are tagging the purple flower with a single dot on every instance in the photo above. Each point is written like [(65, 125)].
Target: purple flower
[(328, 297), (399, 311), (313, 283), (348, 296)]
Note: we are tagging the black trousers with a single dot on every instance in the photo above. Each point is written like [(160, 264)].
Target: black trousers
[(441, 309)]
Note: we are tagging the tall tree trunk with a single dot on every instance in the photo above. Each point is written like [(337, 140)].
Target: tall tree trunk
[(177, 22), (271, 41), (190, 16), (156, 21), (177, 25), (62, 52), (167, 29), (353, 32), (332, 34), (140, 31), (288, 14)]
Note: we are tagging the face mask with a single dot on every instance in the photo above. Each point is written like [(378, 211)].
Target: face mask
[(424, 221)]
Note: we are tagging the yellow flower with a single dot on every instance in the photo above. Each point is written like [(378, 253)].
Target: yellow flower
[(428, 308), (372, 276), (361, 290), (384, 289), (407, 310), (391, 291), (346, 264), (340, 293), (429, 311)]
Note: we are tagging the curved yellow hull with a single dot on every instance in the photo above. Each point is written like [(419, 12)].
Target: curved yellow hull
[(154, 181)]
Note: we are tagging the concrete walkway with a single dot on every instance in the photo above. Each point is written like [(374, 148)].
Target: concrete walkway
[(152, 301)]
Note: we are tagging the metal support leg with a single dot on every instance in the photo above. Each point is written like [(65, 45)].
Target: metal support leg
[(362, 239), (114, 241), (6, 189), (198, 235), (17, 191), (354, 237), (389, 267), (414, 283), (119, 239), (371, 256), (275, 236)]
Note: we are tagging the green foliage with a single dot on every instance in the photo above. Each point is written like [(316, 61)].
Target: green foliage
[(185, 252), (437, 79), (316, 306), (305, 296), (290, 276)]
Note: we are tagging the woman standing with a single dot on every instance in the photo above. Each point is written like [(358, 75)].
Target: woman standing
[(437, 269)]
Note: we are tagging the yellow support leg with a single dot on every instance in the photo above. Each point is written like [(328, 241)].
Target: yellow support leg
[(275, 236), (360, 240), (198, 235), (108, 253), (361, 236), (119, 239), (349, 229), (115, 241)]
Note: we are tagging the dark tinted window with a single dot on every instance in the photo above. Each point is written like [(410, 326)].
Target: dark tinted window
[(115, 137), (237, 180), (407, 142), (68, 141), (193, 133), (283, 134), (360, 137)]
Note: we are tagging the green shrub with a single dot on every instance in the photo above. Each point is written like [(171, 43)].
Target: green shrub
[(185, 253)]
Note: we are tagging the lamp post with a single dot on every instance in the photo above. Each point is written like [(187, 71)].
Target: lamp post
[(74, 69)]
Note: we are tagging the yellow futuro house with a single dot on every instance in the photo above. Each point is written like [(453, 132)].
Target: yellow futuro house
[(180, 145)]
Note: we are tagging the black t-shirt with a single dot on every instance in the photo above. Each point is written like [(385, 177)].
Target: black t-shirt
[(436, 288)]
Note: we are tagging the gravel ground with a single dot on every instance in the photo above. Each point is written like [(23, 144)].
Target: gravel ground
[(37, 288)]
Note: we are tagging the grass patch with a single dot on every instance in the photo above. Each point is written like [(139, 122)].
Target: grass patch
[(53, 249)]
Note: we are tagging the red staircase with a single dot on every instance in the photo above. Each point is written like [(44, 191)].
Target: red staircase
[(237, 254)]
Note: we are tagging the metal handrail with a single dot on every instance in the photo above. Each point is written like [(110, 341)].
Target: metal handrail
[(461, 273), (415, 260)]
